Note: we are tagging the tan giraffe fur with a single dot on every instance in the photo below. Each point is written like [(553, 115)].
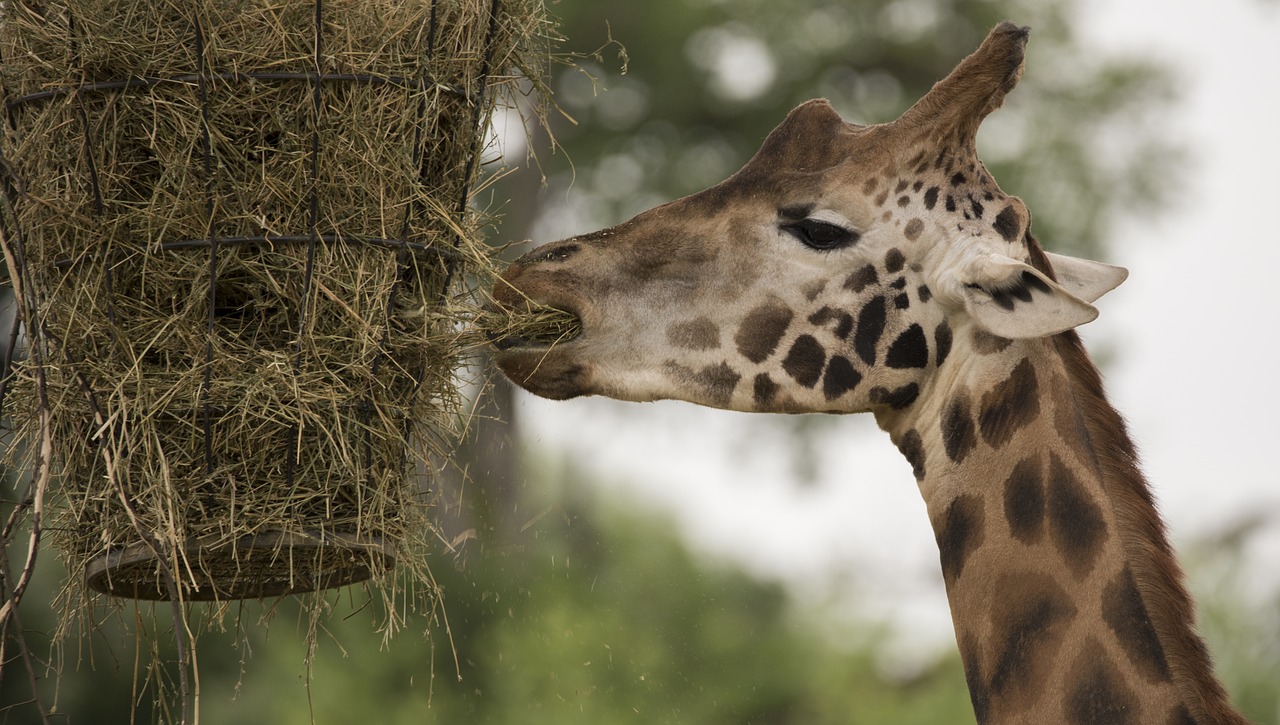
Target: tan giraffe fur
[(850, 269)]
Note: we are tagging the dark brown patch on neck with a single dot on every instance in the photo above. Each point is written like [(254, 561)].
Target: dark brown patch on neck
[(958, 435), (912, 448), (1010, 405), (1126, 615), (987, 344), (975, 677), (1076, 522), (959, 534), (1030, 617), (1024, 500), (1098, 692), (897, 398)]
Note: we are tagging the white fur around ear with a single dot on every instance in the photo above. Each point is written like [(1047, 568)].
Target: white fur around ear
[(1011, 299), (1086, 278)]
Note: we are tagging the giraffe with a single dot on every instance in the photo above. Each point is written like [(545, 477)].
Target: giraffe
[(850, 268)]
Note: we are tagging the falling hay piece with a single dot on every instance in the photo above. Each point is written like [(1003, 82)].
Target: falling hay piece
[(216, 212)]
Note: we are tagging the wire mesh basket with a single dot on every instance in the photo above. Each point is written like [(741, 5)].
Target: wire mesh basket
[(234, 228)]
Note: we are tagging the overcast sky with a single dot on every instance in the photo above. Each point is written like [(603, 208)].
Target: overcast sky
[(1195, 328)]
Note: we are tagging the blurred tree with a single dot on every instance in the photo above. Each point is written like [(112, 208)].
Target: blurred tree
[(1240, 612)]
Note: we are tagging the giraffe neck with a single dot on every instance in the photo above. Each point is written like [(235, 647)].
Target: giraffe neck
[(1067, 602)]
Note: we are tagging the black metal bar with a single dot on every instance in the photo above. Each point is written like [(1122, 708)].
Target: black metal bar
[(298, 238), (185, 244), (202, 92), (6, 364), (313, 221), (474, 161), (403, 259), (99, 210), (124, 84)]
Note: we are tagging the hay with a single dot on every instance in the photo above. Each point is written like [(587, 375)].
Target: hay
[(238, 230)]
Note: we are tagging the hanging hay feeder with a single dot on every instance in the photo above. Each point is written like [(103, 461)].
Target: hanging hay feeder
[(236, 229)]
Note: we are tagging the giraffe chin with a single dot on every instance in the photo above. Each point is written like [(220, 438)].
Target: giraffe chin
[(545, 372)]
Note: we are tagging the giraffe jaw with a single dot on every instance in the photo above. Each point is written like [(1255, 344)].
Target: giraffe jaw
[(545, 371), (545, 364)]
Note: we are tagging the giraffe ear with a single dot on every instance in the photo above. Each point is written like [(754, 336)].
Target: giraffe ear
[(1011, 299), (1086, 278)]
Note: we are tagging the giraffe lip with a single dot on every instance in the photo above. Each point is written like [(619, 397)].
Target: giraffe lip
[(546, 328)]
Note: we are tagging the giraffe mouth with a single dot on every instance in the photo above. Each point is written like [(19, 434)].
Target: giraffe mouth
[(539, 327), (534, 354)]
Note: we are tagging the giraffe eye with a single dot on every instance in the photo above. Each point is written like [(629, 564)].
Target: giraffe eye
[(818, 234)]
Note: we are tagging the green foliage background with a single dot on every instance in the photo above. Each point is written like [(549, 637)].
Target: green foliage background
[(595, 611)]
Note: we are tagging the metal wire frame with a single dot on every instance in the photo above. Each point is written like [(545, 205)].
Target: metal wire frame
[(126, 84), (201, 79)]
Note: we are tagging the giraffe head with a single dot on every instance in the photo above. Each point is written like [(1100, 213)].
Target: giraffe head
[(831, 273)]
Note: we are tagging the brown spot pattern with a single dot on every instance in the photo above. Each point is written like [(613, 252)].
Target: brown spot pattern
[(909, 350), (871, 321), (984, 343), (763, 389), (979, 695), (1024, 501), (840, 378), (716, 381), (959, 534), (861, 279), (1029, 620), (761, 330), (913, 229), (1098, 692), (1069, 420), (1008, 223), (813, 289), (1075, 520), (898, 398), (804, 361), (827, 315), (958, 435), (1126, 615), (894, 261), (1010, 405), (941, 336), (912, 448), (696, 334), (931, 198)]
